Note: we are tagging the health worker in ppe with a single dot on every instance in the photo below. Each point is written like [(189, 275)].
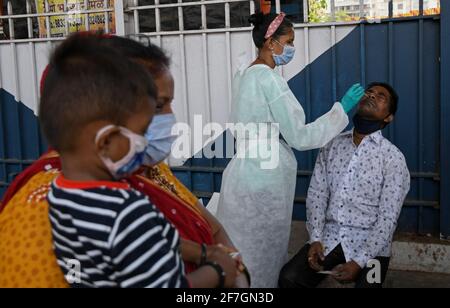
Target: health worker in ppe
[(258, 187)]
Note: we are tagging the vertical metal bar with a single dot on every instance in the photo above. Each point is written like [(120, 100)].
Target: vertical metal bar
[(203, 16), (29, 20), (391, 41), (363, 54), (184, 79), (333, 10), (158, 23), (66, 18), (205, 61), (361, 8), (32, 56), (277, 6), (420, 7), (106, 6), (180, 17), (206, 77), (333, 63), (35, 90), (183, 66), (391, 8), (228, 55), (120, 17), (47, 19), (86, 16), (17, 97), (308, 85), (445, 123), (253, 47), (420, 119), (136, 17), (10, 20), (2, 127), (14, 54), (305, 11)]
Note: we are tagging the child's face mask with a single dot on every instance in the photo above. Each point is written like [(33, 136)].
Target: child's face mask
[(160, 138), (131, 162)]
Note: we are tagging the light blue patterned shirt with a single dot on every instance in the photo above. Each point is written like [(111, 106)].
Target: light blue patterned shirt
[(356, 195)]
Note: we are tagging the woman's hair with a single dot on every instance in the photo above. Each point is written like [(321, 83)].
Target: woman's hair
[(261, 23), (152, 56)]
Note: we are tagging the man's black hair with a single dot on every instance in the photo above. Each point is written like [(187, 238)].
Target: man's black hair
[(393, 101)]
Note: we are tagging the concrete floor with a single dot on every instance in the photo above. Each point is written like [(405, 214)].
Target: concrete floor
[(403, 279), (395, 278)]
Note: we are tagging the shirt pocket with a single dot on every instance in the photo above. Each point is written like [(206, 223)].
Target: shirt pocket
[(361, 213), (367, 186)]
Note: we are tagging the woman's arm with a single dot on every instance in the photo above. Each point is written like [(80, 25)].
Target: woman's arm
[(288, 113), (192, 252), (219, 233)]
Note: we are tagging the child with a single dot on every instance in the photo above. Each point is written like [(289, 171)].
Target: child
[(95, 109)]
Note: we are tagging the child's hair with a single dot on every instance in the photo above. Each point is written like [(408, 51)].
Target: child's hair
[(89, 81), (153, 57), (261, 23)]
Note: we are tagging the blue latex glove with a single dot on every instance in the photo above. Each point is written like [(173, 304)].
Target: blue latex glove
[(352, 97)]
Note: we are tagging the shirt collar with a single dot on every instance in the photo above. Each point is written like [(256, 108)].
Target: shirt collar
[(375, 137)]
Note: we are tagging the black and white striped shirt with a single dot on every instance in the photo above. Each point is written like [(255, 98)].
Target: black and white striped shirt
[(106, 234)]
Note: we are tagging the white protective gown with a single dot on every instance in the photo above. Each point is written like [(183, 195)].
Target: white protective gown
[(256, 204)]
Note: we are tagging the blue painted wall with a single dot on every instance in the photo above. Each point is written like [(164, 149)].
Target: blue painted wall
[(20, 138)]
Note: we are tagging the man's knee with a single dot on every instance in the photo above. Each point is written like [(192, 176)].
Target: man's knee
[(294, 270), (287, 277)]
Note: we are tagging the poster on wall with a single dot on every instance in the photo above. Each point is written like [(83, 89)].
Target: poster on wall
[(75, 20)]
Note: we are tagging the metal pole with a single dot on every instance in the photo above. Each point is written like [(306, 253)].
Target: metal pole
[(120, 17), (445, 123)]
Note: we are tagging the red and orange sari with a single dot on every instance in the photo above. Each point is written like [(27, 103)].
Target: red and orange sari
[(26, 253)]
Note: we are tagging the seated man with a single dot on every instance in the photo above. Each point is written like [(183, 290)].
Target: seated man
[(354, 200)]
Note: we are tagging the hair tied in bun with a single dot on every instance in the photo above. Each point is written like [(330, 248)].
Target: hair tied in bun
[(256, 19)]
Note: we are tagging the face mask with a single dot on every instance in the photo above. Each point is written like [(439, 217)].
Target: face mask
[(367, 127), (131, 162), (286, 56), (160, 138)]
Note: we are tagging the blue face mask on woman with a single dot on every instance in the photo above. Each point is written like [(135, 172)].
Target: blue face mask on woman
[(160, 138), (286, 56)]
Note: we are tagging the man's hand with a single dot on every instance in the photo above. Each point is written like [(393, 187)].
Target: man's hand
[(347, 272), (315, 255)]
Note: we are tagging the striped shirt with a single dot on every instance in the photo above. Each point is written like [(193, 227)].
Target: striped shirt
[(106, 234)]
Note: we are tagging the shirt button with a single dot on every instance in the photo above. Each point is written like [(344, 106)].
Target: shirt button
[(174, 211)]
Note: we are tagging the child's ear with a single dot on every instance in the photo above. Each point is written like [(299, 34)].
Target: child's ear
[(103, 142)]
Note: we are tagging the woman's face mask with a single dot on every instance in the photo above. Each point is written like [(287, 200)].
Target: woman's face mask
[(160, 138), (286, 56), (131, 162)]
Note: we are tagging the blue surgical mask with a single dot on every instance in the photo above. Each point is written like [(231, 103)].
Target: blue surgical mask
[(365, 126), (160, 138), (131, 162), (286, 56)]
